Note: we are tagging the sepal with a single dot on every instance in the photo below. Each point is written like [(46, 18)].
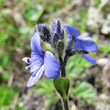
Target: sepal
[(60, 47)]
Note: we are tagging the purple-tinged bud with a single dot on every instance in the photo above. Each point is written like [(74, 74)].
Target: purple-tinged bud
[(55, 40), (44, 32)]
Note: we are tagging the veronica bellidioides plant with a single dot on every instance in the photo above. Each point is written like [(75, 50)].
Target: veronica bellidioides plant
[(64, 47)]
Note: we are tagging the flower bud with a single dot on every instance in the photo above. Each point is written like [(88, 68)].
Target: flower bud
[(60, 47)]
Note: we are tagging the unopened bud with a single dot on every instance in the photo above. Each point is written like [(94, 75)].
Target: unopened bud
[(60, 47)]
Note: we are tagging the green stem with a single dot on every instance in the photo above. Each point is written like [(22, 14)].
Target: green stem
[(63, 73), (65, 103)]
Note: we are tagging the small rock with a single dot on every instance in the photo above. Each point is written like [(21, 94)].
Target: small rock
[(102, 61)]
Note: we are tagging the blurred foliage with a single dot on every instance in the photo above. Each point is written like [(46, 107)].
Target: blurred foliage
[(77, 62), (46, 86), (5, 93), (33, 14), (84, 91), (17, 23), (7, 98), (105, 49), (81, 25)]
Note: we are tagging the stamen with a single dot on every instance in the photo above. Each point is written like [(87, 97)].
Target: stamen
[(26, 60)]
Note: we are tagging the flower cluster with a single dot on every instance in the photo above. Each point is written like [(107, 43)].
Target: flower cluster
[(80, 44), (41, 62), (45, 62)]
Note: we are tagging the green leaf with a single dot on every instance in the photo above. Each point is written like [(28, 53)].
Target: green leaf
[(33, 13), (6, 96), (79, 61), (4, 59), (51, 98), (83, 90), (3, 37), (105, 49), (24, 30), (76, 66), (62, 86), (4, 75), (45, 86)]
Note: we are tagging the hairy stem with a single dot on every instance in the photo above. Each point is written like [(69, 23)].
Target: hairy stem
[(65, 104), (62, 65), (66, 59)]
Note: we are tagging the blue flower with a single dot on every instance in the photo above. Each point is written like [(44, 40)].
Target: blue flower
[(80, 42), (41, 62)]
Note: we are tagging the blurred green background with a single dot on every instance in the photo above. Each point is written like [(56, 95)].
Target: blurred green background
[(90, 84)]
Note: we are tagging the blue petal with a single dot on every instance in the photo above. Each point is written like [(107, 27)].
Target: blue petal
[(86, 43), (35, 76), (36, 62), (72, 31), (40, 27), (35, 57), (78, 45), (35, 44), (52, 66), (89, 59)]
